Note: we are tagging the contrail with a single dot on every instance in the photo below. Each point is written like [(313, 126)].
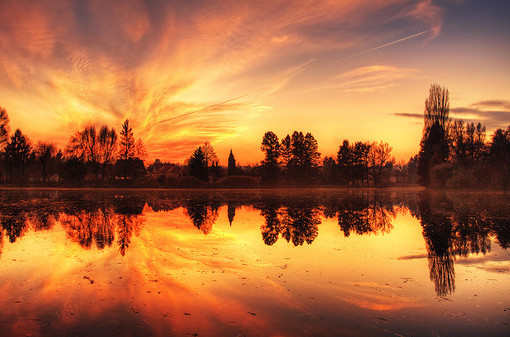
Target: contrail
[(393, 42), (201, 110)]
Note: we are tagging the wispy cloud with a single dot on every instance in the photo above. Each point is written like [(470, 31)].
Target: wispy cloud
[(372, 78), (492, 113), (429, 13), (168, 64)]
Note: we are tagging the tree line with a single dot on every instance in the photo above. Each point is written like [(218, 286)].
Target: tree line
[(92, 154), (296, 160), (453, 153)]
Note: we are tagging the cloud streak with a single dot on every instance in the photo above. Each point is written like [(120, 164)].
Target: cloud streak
[(493, 114), (392, 43), (165, 65), (372, 78)]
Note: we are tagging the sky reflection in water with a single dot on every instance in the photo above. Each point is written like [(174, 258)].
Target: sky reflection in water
[(254, 263)]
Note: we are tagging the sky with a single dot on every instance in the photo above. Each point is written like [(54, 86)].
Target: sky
[(186, 72)]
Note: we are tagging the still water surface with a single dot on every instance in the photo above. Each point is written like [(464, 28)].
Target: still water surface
[(254, 263)]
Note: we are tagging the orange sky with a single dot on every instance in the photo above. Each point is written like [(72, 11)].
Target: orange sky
[(227, 71)]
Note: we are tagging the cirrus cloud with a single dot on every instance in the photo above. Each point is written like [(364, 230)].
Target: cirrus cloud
[(65, 63)]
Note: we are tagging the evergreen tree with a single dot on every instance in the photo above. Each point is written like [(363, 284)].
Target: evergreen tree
[(344, 161), (270, 165), (127, 142), (198, 165), (17, 153), (286, 152), (312, 156)]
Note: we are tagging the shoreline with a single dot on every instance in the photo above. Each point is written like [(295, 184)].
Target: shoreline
[(406, 188), (212, 188)]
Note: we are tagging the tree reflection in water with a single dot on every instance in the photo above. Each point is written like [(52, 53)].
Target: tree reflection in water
[(231, 212), (458, 226), (15, 225), (452, 224), (202, 215)]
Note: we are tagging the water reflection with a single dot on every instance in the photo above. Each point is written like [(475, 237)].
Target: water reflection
[(453, 225), (458, 227)]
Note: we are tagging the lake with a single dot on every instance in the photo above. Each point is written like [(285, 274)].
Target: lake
[(297, 262)]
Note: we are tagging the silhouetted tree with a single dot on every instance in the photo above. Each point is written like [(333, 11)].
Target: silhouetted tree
[(434, 151), (458, 138), (198, 165), (434, 148), (304, 156), (4, 128), (209, 154), (329, 170), (17, 155), (127, 142), (45, 153), (360, 153), (499, 152), (412, 170), (140, 150), (345, 162), (467, 143), (380, 159), (271, 148), (232, 169), (107, 147), (298, 154), (84, 145), (312, 155), (437, 108), (91, 141), (286, 152)]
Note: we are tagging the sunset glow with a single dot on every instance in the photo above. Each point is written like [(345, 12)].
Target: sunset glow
[(226, 71)]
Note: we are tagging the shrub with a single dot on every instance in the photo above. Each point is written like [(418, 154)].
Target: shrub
[(440, 174), (189, 181), (462, 178), (238, 181)]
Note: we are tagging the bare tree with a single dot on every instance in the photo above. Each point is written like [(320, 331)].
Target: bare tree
[(140, 150), (84, 145), (91, 143), (434, 147), (379, 159), (107, 144), (209, 154), (437, 108), (107, 147)]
